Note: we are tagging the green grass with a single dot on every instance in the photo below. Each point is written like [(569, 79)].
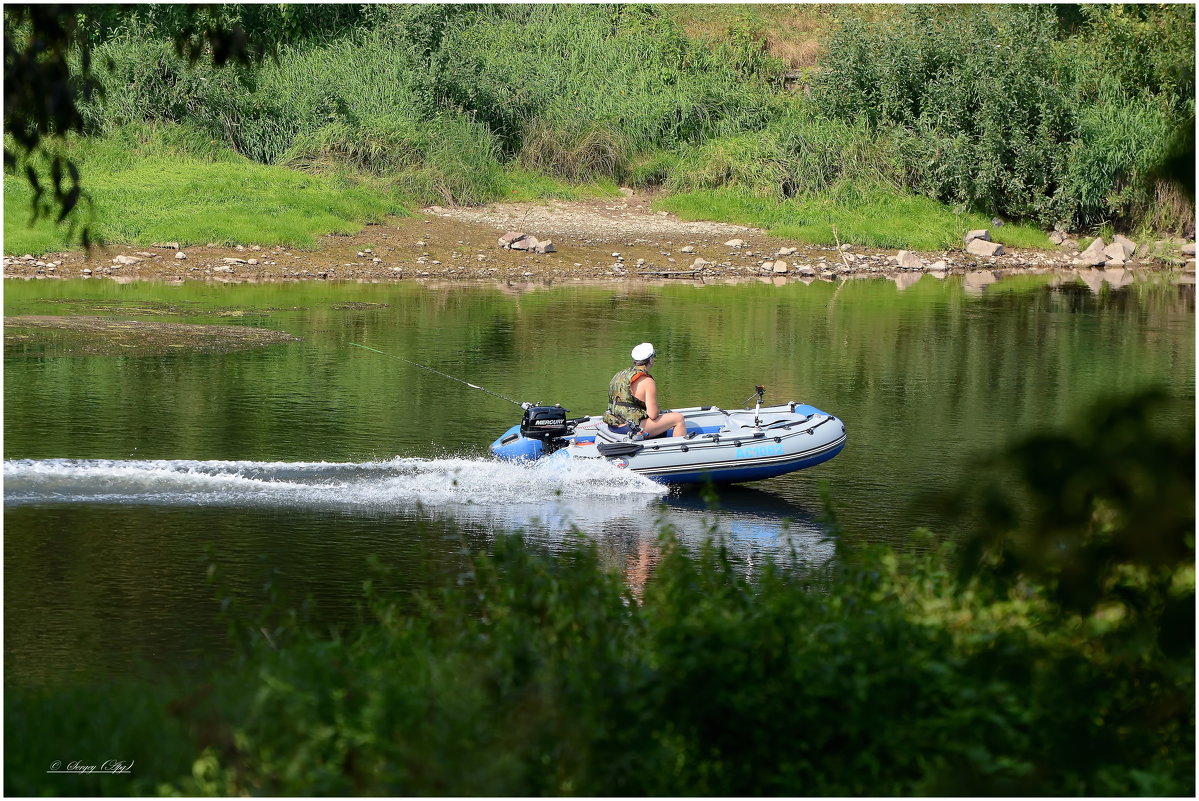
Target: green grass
[(523, 185), (427, 104), (873, 217), (153, 191), (170, 183)]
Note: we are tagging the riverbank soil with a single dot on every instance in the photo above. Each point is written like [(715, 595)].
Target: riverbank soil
[(607, 238)]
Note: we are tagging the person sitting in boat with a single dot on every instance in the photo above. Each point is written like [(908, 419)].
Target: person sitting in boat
[(633, 400)]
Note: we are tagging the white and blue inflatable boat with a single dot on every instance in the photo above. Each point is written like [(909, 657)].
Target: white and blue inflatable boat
[(720, 446)]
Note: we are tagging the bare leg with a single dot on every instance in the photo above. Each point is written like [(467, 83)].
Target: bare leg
[(653, 428)]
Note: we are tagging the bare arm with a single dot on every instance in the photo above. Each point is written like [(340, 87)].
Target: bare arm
[(647, 391)]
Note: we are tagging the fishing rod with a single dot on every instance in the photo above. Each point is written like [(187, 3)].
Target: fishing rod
[(443, 375)]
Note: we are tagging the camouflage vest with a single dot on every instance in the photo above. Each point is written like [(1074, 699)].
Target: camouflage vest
[(623, 407)]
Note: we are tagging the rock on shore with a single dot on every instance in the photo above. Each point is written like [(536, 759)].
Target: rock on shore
[(606, 239)]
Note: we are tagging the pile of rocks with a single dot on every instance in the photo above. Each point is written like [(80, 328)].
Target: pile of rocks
[(1101, 254), (1123, 250), (39, 266), (516, 240)]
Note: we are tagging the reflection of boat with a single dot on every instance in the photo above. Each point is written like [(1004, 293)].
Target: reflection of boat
[(775, 528), (720, 446)]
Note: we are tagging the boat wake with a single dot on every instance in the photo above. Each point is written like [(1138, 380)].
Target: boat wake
[(398, 483), (545, 498)]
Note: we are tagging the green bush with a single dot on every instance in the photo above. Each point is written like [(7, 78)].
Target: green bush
[(799, 153), (543, 675), (572, 91), (1108, 170), (445, 159), (1006, 114)]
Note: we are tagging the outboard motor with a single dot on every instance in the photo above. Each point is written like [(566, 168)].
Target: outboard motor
[(542, 430), (545, 423)]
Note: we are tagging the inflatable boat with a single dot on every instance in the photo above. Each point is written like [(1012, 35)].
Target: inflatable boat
[(721, 446)]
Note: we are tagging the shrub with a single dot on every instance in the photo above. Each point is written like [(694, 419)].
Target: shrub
[(1007, 115), (558, 149), (445, 159), (800, 153), (541, 674)]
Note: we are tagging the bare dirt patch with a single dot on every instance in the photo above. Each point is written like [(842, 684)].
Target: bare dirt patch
[(446, 243), (626, 220), (104, 336), (607, 239)]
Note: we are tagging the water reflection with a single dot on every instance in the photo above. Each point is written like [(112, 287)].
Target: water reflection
[(1092, 278), (107, 558), (287, 456), (1117, 277), (975, 282)]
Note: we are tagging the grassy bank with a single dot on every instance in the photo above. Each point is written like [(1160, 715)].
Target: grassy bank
[(169, 183), (876, 217), (1053, 116), (1050, 654)]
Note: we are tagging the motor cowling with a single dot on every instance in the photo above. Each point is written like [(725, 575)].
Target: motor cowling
[(545, 423)]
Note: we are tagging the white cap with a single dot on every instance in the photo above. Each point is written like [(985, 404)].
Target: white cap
[(643, 352)]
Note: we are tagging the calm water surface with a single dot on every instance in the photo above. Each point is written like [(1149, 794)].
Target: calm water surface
[(126, 475)]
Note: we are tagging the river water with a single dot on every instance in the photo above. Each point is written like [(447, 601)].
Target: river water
[(127, 475)]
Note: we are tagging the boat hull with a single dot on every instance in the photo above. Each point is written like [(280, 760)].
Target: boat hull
[(721, 446)]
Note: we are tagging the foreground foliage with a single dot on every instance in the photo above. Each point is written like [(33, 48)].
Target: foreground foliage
[(879, 674)]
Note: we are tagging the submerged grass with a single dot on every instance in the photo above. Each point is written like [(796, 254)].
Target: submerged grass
[(878, 217)]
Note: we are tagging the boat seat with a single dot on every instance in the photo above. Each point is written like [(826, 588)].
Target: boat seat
[(605, 434)]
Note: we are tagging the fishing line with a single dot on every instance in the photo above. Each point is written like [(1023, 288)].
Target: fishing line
[(438, 372)]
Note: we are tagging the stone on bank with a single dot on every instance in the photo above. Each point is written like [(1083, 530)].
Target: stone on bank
[(1094, 255), (984, 247)]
